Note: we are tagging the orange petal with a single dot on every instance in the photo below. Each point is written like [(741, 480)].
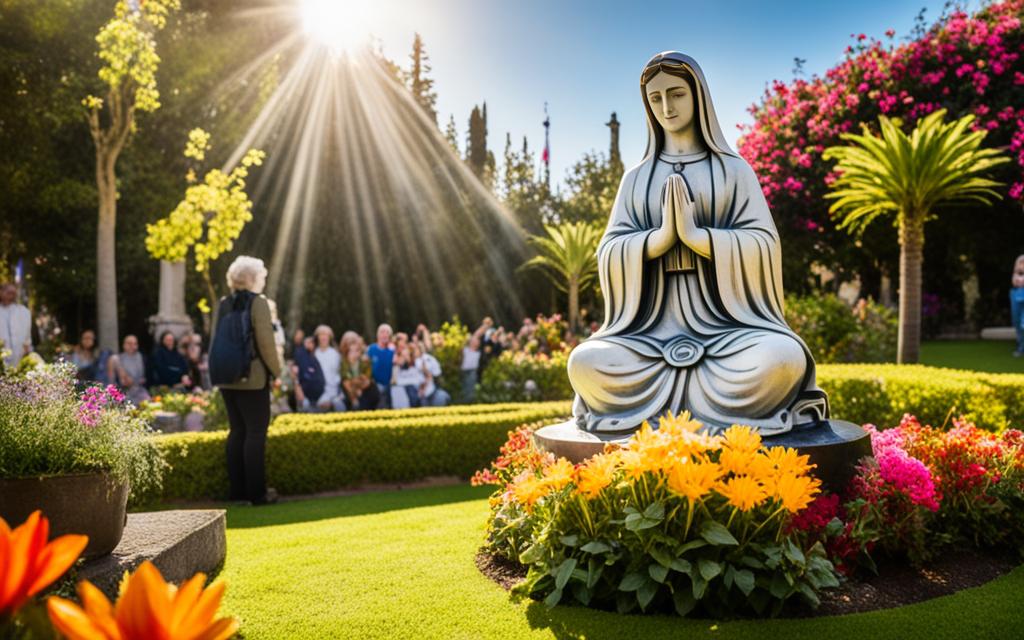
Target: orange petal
[(55, 559), (5, 530), (72, 622), (220, 630), (14, 581), (143, 610), (5, 556), (206, 608), (185, 599), (94, 600)]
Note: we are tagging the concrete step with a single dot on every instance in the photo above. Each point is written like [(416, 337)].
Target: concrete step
[(180, 543), (998, 333)]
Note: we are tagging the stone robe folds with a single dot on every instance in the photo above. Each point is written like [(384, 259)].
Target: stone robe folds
[(711, 339)]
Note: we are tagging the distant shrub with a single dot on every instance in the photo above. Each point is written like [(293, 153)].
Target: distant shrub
[(835, 332), (520, 377)]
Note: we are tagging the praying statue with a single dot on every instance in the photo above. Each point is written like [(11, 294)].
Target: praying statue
[(690, 268)]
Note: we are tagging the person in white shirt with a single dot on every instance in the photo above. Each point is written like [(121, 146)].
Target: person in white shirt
[(15, 325), (433, 396), (330, 363), (407, 380), (471, 361)]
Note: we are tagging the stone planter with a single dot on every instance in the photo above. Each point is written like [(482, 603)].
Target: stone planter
[(93, 504)]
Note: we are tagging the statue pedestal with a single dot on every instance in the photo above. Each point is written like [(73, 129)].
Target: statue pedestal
[(835, 446)]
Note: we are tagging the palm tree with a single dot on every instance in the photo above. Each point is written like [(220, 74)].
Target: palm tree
[(910, 176), (568, 255)]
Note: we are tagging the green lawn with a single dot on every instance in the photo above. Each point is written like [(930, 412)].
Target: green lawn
[(992, 356), (400, 565)]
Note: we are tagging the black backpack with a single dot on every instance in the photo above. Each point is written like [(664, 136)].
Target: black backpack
[(232, 351)]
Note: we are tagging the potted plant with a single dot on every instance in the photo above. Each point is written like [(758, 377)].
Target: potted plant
[(76, 455)]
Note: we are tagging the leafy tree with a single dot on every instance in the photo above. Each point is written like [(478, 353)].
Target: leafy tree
[(210, 217), (451, 134), (568, 255), (421, 86), (521, 190), (480, 159), (127, 47), (910, 177), (591, 186)]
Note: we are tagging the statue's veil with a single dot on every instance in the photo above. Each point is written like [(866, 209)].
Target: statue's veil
[(709, 126)]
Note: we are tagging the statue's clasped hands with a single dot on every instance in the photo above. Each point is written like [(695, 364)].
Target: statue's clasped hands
[(678, 222)]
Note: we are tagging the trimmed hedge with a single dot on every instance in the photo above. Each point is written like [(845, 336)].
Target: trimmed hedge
[(320, 452), (882, 393)]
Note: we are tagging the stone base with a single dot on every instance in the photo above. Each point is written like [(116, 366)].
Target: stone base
[(834, 446), (998, 333), (180, 543)]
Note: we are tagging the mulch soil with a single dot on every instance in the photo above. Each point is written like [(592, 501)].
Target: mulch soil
[(897, 583)]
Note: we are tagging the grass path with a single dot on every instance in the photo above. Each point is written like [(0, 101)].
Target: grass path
[(991, 356), (400, 565)]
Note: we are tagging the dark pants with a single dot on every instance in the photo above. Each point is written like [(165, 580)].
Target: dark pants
[(249, 416)]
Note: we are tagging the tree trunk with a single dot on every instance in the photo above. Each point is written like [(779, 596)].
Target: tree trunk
[(911, 259), (106, 272), (574, 305)]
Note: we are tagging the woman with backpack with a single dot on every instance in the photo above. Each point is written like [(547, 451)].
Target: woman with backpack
[(243, 363)]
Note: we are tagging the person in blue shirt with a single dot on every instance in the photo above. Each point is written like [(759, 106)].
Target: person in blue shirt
[(1017, 303), (309, 375), (382, 361)]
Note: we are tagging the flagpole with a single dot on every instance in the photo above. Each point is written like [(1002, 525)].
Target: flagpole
[(547, 148)]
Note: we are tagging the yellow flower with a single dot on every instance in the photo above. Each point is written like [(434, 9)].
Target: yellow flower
[(796, 491), (596, 474), (738, 462), (739, 438), (787, 460), (147, 608), (693, 480), (559, 474), (743, 492), (674, 426)]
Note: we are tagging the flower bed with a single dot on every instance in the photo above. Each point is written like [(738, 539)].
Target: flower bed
[(684, 521)]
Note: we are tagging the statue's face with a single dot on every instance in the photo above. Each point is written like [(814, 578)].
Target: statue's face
[(671, 101)]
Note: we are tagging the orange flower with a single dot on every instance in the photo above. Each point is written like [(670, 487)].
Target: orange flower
[(28, 564), (693, 479), (559, 474), (739, 438), (743, 492), (796, 491), (147, 608), (596, 474)]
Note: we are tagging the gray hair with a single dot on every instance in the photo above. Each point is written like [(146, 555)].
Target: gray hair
[(247, 273)]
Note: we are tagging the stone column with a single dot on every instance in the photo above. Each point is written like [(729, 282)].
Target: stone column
[(171, 315)]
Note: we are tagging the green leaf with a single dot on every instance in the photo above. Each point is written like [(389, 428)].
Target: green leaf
[(682, 566), (638, 522), (595, 546), (793, 552), (664, 558), (716, 533), (808, 593), (689, 546), (699, 587), (632, 581), (564, 573), (655, 511), (570, 541), (582, 593), (727, 577), (709, 569), (744, 579), (780, 586), (531, 554), (553, 598), (683, 601), (646, 593), (658, 572)]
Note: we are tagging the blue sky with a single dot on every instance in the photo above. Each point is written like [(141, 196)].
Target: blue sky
[(584, 58)]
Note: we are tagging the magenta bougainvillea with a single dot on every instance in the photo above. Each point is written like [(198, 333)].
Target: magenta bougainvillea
[(965, 63)]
